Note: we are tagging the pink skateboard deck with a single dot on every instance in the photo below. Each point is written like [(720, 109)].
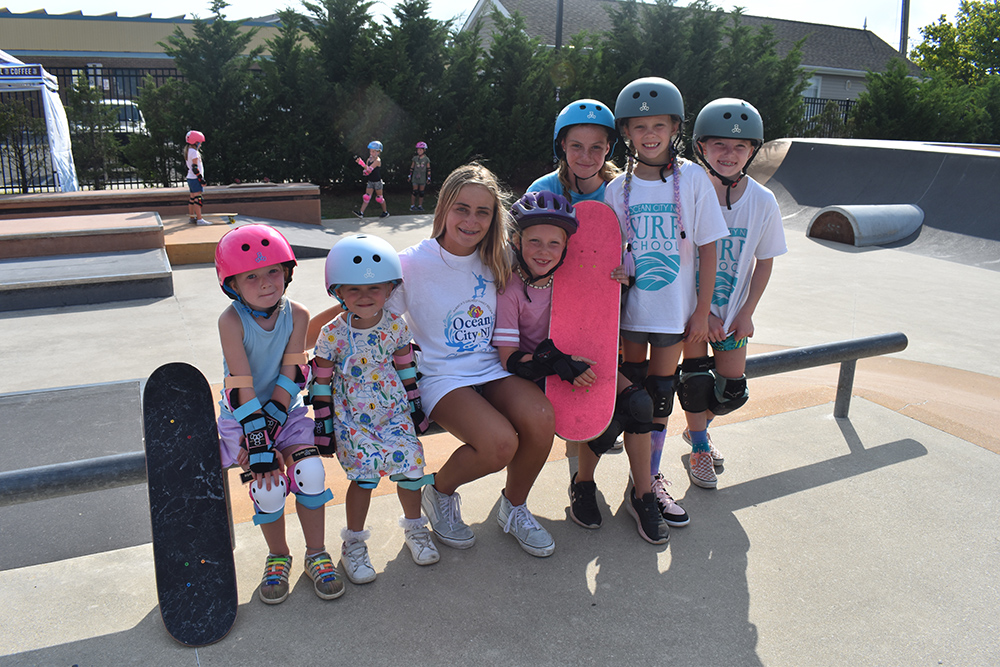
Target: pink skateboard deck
[(585, 310)]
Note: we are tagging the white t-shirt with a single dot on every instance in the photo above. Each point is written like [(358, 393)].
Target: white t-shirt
[(449, 303), (664, 295), (755, 232), (190, 155)]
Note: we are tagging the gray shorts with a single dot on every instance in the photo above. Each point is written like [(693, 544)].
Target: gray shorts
[(654, 339), (375, 185)]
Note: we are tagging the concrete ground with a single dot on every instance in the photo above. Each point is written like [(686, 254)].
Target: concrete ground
[(871, 540)]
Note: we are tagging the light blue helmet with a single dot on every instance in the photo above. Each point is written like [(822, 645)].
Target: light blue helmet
[(584, 112), (361, 259), (377, 145), (650, 96)]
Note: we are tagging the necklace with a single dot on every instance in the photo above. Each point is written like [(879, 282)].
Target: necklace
[(547, 285)]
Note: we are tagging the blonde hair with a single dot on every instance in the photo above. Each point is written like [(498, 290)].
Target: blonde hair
[(493, 249)]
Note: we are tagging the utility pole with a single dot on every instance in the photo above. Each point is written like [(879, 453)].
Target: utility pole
[(904, 27)]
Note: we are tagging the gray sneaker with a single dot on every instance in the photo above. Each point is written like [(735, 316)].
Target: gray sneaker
[(445, 516), (519, 522)]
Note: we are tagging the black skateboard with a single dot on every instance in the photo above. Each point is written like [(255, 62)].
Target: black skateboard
[(192, 545)]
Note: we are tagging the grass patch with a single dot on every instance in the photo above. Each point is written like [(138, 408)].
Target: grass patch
[(335, 204)]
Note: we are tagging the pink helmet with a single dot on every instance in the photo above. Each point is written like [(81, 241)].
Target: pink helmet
[(194, 137), (251, 247), (422, 144)]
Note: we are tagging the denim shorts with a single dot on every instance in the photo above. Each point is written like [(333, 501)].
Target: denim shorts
[(654, 339), (194, 185)]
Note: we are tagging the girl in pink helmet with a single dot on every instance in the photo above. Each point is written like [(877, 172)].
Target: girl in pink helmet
[(195, 176), (263, 424)]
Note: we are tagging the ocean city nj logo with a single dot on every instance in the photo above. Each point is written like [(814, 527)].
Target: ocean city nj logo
[(469, 327)]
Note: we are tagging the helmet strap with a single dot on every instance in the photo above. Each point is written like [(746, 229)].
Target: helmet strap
[(729, 183), (266, 313), (669, 164), (527, 277)]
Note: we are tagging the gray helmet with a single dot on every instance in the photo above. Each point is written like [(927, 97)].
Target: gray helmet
[(650, 96), (729, 118), (361, 259)]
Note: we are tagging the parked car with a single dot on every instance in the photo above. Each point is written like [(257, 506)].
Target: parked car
[(130, 120)]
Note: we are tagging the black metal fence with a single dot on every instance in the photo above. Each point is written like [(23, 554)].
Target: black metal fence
[(25, 162), (819, 122)]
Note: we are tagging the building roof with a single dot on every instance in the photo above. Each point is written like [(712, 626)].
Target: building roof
[(826, 46)]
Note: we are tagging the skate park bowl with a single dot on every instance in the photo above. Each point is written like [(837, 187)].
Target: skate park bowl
[(866, 224), (951, 184)]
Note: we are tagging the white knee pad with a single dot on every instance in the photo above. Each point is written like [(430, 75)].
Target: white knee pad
[(307, 479), (269, 503)]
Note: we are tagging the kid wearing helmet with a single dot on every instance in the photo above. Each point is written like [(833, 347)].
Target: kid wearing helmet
[(263, 424), (420, 176), (372, 168), (365, 397), (195, 176), (670, 217), (727, 135), (543, 223), (583, 140)]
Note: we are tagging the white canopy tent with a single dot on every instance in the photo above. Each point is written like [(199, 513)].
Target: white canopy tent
[(15, 76)]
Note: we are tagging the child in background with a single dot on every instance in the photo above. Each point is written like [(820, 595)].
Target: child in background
[(727, 135), (669, 214), (420, 176), (583, 140), (544, 222), (195, 176), (263, 424), (372, 168), (367, 351)]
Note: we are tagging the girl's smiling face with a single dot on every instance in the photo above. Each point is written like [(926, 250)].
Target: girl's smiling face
[(365, 302), (726, 156), (468, 220), (586, 147), (261, 288), (651, 135), (542, 247)]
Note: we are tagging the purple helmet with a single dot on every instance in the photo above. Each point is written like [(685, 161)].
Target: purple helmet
[(544, 208)]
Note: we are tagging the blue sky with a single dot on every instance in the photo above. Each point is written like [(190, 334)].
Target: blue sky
[(882, 16)]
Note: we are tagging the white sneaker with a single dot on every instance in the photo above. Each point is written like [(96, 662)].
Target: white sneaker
[(672, 513), (445, 515), (421, 546), (519, 522), (354, 559)]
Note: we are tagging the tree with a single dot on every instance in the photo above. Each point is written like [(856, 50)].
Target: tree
[(221, 92), (96, 151), (23, 146), (967, 50), (157, 154)]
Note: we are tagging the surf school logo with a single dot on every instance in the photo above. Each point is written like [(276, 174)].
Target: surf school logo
[(469, 327), (655, 270), (724, 284)]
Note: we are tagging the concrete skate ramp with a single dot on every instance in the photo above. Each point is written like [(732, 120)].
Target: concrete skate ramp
[(954, 186)]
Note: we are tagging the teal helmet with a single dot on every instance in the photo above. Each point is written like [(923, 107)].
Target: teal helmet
[(376, 145), (584, 112), (650, 96), (730, 118)]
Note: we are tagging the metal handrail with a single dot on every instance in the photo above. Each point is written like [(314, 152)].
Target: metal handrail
[(109, 472)]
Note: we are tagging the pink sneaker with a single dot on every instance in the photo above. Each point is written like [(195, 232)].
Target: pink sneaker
[(672, 513)]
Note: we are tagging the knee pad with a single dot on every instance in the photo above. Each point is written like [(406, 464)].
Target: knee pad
[(366, 197), (307, 479), (410, 483), (269, 503), (380, 199), (697, 384), (634, 408), (199, 201), (661, 391), (634, 371), (730, 394), (606, 440)]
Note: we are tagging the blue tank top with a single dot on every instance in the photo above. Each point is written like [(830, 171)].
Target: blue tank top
[(264, 352)]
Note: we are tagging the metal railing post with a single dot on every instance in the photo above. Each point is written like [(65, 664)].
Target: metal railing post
[(845, 385)]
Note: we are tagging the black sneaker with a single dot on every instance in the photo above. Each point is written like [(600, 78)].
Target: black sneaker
[(384, 214), (583, 504), (648, 519), (358, 213)]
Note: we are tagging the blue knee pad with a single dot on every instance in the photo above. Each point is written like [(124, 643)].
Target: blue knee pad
[(411, 484), (307, 479)]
